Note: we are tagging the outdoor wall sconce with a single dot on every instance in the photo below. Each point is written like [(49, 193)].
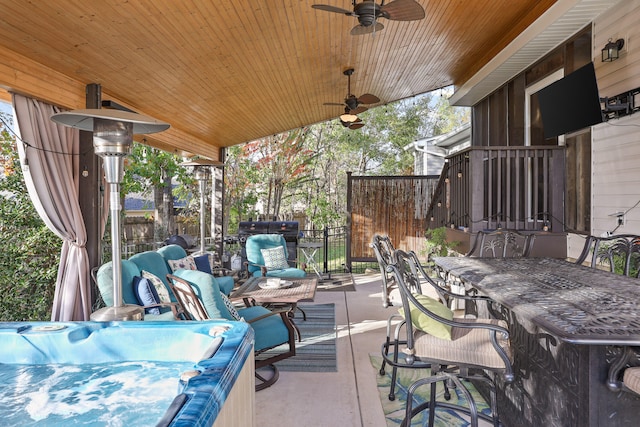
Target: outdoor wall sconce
[(611, 50), (113, 132)]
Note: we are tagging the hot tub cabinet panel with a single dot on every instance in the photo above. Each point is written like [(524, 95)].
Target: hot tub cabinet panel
[(219, 389)]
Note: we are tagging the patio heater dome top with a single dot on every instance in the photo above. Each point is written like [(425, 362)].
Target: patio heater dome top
[(83, 120)]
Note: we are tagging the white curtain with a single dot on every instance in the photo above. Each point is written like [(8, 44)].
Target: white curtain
[(50, 162)]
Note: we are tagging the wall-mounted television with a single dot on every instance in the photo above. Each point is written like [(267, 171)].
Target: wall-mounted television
[(571, 103)]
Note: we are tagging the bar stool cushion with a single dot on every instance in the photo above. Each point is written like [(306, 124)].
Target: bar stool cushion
[(631, 379), (427, 324), (467, 346)]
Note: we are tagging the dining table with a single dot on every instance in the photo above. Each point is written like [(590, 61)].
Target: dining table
[(568, 326)]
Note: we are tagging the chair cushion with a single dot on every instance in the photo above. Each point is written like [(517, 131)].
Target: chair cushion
[(232, 309), (226, 284), (186, 263), (146, 294), (467, 346), (206, 288), (631, 379), (269, 332), (274, 258), (161, 289), (287, 273), (262, 241), (425, 323), (172, 252), (105, 282), (203, 263)]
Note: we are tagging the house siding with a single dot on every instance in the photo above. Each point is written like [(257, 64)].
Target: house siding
[(615, 144)]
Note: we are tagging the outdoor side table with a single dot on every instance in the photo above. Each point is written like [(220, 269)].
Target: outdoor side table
[(309, 250)]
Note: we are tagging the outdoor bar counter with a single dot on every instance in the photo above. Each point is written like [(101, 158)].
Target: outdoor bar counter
[(568, 324)]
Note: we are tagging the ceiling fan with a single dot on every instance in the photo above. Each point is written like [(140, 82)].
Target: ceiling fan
[(369, 11), (349, 123), (353, 104)]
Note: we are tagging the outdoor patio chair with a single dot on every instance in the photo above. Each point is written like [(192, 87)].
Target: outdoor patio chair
[(173, 254), (618, 253), (383, 249), (267, 255), (103, 277), (200, 297), (502, 243), (471, 349), (391, 348)]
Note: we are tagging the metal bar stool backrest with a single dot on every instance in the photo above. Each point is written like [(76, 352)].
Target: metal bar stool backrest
[(502, 244), (620, 253)]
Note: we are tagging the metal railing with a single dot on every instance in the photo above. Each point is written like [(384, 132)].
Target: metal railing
[(510, 187)]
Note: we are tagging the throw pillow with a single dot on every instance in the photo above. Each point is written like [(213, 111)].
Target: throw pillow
[(161, 289), (186, 263), (203, 263), (425, 323), (232, 309), (146, 294), (274, 258)]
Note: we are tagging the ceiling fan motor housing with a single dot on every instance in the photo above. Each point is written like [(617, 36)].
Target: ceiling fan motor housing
[(367, 13)]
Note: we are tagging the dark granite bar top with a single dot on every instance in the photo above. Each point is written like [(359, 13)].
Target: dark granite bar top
[(577, 304)]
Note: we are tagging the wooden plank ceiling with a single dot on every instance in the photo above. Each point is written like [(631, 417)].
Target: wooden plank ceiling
[(226, 72)]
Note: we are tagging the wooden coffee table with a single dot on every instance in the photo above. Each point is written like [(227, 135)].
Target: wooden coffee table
[(302, 290)]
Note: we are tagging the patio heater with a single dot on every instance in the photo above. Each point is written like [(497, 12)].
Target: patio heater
[(202, 171), (113, 132)]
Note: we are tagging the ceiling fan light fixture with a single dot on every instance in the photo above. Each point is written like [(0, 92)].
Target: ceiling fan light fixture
[(348, 117)]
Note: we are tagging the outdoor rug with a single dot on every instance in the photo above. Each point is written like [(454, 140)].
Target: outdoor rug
[(338, 282), (317, 351), (394, 411)]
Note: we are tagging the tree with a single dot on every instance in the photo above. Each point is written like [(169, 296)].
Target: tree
[(260, 168), (30, 251), (283, 162), (151, 169)]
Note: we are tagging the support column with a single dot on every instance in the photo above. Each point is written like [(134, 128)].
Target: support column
[(90, 196)]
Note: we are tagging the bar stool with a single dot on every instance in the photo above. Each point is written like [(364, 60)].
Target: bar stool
[(470, 349)]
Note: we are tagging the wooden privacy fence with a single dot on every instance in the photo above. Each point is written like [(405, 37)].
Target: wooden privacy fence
[(392, 205)]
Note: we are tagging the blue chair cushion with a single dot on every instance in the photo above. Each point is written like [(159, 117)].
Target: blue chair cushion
[(172, 252), (105, 282), (207, 290), (203, 263), (146, 294), (226, 284), (269, 332), (287, 273), (155, 264), (255, 243)]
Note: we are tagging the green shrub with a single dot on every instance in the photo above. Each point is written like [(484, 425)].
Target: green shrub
[(29, 252)]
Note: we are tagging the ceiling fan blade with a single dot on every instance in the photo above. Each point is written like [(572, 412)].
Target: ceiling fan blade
[(360, 109), (329, 8), (359, 30), (339, 104), (356, 125), (403, 10), (367, 98)]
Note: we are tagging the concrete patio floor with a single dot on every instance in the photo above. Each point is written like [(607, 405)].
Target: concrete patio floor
[(348, 397)]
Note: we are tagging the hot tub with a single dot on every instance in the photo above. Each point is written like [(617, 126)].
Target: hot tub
[(126, 373)]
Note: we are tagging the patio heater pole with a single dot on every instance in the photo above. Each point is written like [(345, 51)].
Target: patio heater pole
[(112, 139), (202, 172), (201, 176)]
